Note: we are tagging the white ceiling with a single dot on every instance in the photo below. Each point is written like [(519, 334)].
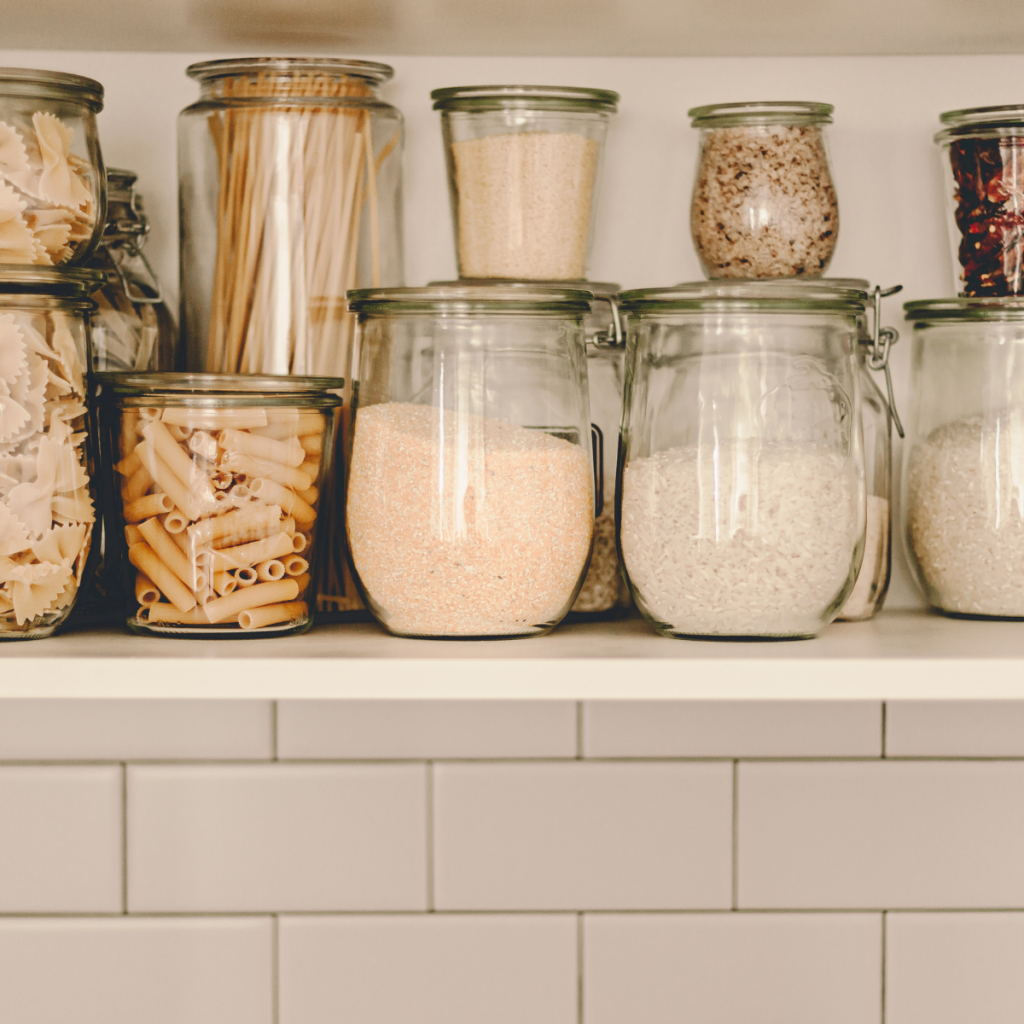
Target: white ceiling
[(520, 27)]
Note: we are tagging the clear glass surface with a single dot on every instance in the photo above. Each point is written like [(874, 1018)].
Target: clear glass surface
[(741, 470), (470, 494), (218, 484), (964, 458)]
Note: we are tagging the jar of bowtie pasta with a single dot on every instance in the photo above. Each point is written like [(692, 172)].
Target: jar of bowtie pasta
[(217, 481)]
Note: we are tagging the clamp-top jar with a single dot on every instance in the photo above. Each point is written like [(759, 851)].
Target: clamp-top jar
[(741, 470), (763, 201), (52, 185)]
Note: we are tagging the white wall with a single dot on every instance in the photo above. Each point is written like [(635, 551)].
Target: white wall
[(887, 168)]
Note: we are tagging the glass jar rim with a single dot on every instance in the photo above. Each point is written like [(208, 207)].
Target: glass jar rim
[(54, 85), (783, 295), (981, 122), (467, 299), (768, 112), (965, 310), (543, 97), (221, 388), (74, 283), (599, 289), (369, 71)]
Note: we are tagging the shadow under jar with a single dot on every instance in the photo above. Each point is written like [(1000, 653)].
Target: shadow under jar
[(964, 470), (524, 165), (47, 510), (764, 204), (984, 171), (470, 494), (52, 184), (740, 491), (216, 482)]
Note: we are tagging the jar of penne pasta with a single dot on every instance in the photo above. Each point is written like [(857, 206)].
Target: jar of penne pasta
[(52, 184), (218, 478), (47, 510)]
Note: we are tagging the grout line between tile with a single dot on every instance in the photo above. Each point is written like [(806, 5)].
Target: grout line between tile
[(579, 730), (275, 970), (579, 969), (885, 714), (430, 836), (735, 834), (273, 730), (124, 839)]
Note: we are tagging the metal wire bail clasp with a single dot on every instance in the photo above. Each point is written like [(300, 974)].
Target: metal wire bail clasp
[(613, 336), (883, 338)]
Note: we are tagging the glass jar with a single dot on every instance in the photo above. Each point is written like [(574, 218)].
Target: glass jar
[(524, 164), (740, 486), (46, 486), (470, 495), (52, 186), (763, 200), (132, 329), (983, 165), (964, 471), (218, 479), (290, 177)]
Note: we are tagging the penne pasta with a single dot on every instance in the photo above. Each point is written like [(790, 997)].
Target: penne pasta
[(303, 581), (295, 565), (273, 493), (136, 485), (246, 577), (191, 477), (174, 522), (132, 535), (224, 583), (238, 527), (288, 452), (204, 445), (310, 495), (128, 465), (272, 614), (149, 414), (169, 614), (144, 558), (181, 495), (299, 543), (251, 597), (144, 508), (250, 554), (270, 570), (171, 555), (288, 526), (215, 419), (145, 591), (289, 476), (178, 432), (312, 444)]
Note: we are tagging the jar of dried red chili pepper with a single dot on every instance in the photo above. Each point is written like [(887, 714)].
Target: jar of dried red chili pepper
[(983, 151)]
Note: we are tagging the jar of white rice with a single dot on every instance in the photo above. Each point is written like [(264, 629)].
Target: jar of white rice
[(470, 495), (964, 474), (741, 498)]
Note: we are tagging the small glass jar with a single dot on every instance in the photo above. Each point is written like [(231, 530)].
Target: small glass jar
[(740, 485), (764, 204), (218, 480), (470, 495), (290, 188), (524, 165), (983, 150), (47, 507), (964, 470), (132, 329), (52, 185)]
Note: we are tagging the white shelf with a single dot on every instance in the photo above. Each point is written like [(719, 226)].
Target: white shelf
[(900, 655)]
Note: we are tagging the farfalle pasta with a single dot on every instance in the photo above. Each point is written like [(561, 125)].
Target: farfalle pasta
[(46, 506), (219, 503), (51, 177)]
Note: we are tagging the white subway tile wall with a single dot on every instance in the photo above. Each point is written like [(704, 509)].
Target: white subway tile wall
[(582, 836), (429, 969), (953, 968), (718, 863), (277, 837), (420, 729), (137, 970), (60, 839), (657, 728)]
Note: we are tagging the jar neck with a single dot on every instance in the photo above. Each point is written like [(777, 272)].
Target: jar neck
[(279, 84)]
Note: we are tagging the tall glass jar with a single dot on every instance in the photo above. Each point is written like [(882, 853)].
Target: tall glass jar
[(46, 486), (290, 176), (741, 470), (964, 471), (470, 494), (524, 165), (52, 185), (133, 330), (983, 150), (764, 204)]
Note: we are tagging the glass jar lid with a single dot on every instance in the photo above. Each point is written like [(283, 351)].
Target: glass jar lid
[(784, 112), (52, 85), (929, 311), (782, 295), (524, 97), (208, 71), (56, 282), (215, 390), (982, 122), (461, 299)]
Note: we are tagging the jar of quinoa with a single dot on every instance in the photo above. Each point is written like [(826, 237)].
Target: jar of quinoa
[(764, 204), (470, 492)]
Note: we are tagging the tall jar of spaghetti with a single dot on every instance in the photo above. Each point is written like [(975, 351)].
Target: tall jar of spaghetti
[(290, 181)]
